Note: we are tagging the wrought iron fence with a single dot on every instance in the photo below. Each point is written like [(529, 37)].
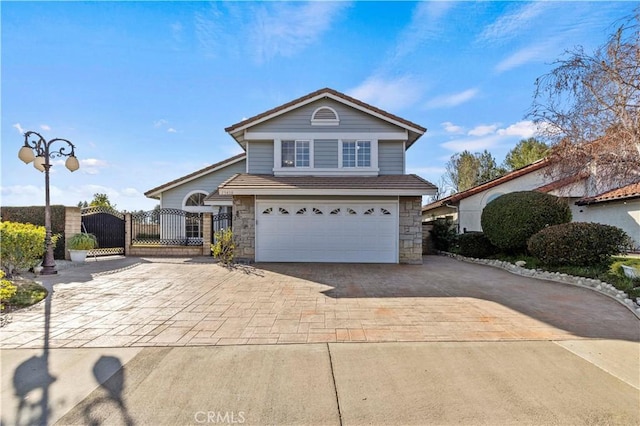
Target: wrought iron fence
[(219, 222), (166, 227)]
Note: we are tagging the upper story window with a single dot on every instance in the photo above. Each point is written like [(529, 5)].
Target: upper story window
[(325, 116), (295, 153), (356, 154)]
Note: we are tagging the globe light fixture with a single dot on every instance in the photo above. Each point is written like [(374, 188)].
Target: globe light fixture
[(37, 149)]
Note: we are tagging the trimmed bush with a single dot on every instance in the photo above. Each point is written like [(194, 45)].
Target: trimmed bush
[(22, 246), (511, 219), (475, 244), (35, 216), (7, 290), (444, 234), (578, 244)]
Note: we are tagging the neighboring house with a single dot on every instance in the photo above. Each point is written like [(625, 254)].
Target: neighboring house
[(619, 207), (323, 179)]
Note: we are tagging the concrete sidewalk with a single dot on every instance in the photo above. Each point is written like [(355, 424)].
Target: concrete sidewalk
[(493, 383)]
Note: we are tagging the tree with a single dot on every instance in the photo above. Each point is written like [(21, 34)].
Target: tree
[(588, 106), (527, 151), (465, 170), (99, 200)]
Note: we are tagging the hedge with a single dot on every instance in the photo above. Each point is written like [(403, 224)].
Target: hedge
[(475, 244), (578, 243), (511, 219), (35, 216)]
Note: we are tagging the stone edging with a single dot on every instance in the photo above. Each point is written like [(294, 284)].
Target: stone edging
[(590, 283)]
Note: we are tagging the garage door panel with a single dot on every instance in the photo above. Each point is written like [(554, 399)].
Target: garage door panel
[(341, 233)]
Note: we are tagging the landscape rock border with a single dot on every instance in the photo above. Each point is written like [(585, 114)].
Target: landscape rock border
[(590, 283)]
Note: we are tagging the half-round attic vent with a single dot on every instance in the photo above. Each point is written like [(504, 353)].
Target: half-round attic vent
[(325, 116)]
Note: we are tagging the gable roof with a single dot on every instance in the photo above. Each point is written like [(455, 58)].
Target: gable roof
[(623, 193), (155, 192), (387, 185), (415, 130)]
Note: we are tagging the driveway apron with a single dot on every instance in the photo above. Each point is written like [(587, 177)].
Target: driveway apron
[(192, 302)]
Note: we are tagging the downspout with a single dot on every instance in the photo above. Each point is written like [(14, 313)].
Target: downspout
[(458, 217)]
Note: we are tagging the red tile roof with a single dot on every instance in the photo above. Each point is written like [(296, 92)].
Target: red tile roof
[(623, 193), (487, 185)]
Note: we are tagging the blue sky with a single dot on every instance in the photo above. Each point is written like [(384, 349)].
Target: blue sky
[(145, 89)]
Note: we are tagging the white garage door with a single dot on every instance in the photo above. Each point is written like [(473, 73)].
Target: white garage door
[(364, 232)]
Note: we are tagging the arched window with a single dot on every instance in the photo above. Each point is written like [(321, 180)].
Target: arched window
[(325, 116), (196, 199)]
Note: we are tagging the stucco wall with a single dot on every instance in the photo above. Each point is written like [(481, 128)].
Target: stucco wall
[(471, 208), (623, 214)]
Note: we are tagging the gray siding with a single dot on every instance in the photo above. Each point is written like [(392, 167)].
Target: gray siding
[(351, 120), (260, 157), (173, 198), (390, 158), (325, 153)]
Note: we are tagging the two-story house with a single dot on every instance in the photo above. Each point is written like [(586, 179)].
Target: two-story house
[(323, 179)]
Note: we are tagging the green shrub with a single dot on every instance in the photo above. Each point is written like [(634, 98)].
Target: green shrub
[(616, 267), (82, 241), (224, 247), (22, 246), (7, 290), (35, 216), (511, 219), (578, 243), (444, 234), (27, 294), (475, 244)]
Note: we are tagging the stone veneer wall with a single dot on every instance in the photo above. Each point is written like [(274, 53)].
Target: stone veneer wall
[(244, 227), (72, 226), (410, 244)]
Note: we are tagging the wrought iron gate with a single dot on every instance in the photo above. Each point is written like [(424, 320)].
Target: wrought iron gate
[(108, 227)]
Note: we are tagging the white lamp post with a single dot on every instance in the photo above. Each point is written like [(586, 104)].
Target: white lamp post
[(37, 149)]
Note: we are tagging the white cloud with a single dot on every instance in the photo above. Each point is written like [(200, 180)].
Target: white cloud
[(522, 129), (483, 130), (160, 123), (45, 127), (536, 52), (284, 29), (488, 136), (449, 127), (472, 144), (92, 166), (18, 127), (453, 99), (510, 24), (393, 94), (171, 130), (425, 24), (131, 192)]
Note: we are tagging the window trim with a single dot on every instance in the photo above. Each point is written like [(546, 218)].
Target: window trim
[(278, 154), (195, 209), (373, 154)]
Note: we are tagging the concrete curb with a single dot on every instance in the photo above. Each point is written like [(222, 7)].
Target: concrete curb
[(589, 283)]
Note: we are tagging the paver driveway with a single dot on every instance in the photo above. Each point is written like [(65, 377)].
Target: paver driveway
[(178, 302)]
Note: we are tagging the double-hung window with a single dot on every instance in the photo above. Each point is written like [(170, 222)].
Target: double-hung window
[(295, 154), (356, 154)]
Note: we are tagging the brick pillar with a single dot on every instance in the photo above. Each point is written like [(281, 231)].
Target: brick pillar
[(410, 244), (206, 234), (72, 226), (244, 227), (127, 234)]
